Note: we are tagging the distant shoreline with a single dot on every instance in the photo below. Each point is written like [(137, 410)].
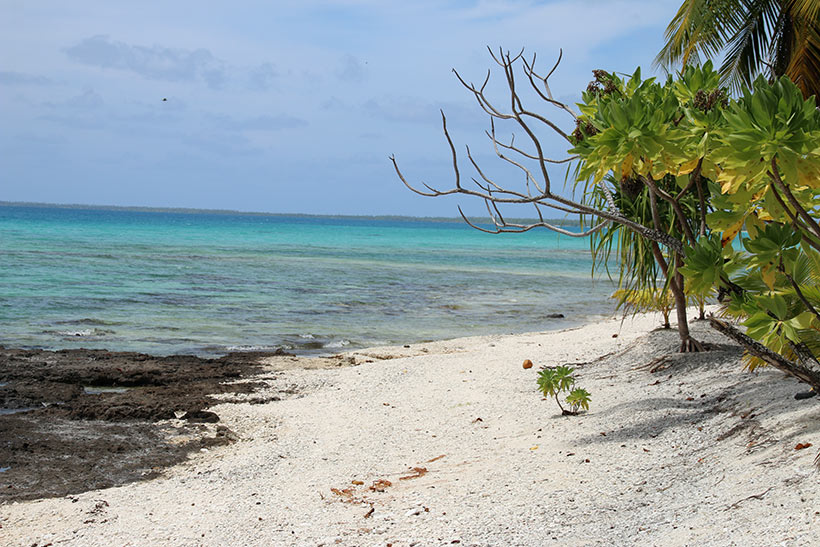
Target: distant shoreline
[(194, 211)]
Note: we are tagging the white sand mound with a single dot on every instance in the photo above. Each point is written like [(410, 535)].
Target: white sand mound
[(449, 443)]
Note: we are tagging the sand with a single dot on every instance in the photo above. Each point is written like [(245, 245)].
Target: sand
[(448, 443)]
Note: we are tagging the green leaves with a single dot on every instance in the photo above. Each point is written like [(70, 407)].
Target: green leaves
[(773, 325), (648, 129), (751, 163), (703, 268), (553, 381), (578, 398), (769, 122)]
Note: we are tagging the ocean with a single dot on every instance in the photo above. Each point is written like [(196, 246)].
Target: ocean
[(209, 283)]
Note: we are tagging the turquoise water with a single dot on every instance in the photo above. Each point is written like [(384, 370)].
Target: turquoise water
[(209, 283)]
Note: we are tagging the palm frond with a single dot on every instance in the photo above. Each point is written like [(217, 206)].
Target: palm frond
[(699, 28), (803, 62), (805, 9), (748, 47)]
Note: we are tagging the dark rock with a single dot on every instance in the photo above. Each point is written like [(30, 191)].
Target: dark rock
[(81, 435)]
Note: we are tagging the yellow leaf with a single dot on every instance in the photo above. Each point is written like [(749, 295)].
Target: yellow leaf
[(626, 166), (534, 447), (767, 274), (729, 182), (688, 167), (731, 232)]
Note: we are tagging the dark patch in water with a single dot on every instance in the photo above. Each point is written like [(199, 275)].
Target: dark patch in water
[(89, 321)]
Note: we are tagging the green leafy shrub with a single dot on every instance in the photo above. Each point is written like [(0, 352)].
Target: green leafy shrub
[(553, 381)]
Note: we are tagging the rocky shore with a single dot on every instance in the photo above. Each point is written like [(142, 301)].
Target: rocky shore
[(78, 420)]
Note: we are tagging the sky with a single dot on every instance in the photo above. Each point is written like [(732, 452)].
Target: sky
[(283, 107)]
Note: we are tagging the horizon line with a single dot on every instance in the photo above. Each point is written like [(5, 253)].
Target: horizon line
[(194, 210)]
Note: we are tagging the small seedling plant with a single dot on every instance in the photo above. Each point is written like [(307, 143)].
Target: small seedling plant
[(553, 381)]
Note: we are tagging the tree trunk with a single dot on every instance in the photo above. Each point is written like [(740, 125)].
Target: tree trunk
[(687, 343), (803, 373)]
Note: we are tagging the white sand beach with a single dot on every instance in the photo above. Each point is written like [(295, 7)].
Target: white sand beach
[(449, 443)]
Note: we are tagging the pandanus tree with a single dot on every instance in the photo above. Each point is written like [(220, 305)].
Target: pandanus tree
[(686, 170), (756, 37), (644, 144), (613, 110)]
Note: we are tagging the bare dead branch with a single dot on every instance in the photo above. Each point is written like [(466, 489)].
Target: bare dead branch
[(484, 177), (513, 148), (527, 172), (485, 104), (546, 122), (546, 95), (503, 227), (452, 150), (495, 193)]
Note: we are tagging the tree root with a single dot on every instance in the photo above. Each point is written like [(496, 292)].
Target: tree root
[(690, 345)]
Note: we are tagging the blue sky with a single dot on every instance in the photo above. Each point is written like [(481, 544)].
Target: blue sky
[(286, 107)]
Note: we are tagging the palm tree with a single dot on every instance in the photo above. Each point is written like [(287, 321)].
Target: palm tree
[(769, 37)]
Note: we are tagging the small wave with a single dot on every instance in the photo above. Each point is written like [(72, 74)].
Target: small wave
[(338, 344), (251, 348), (84, 333), (307, 336)]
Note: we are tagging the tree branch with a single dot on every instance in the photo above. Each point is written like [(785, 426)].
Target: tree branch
[(753, 347)]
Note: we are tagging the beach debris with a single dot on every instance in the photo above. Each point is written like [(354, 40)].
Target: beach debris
[(356, 482), (346, 495), (753, 496), (379, 485), (534, 447), (416, 472), (417, 511), (527, 363), (370, 512), (801, 446), (347, 492), (477, 420), (431, 460), (99, 507)]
